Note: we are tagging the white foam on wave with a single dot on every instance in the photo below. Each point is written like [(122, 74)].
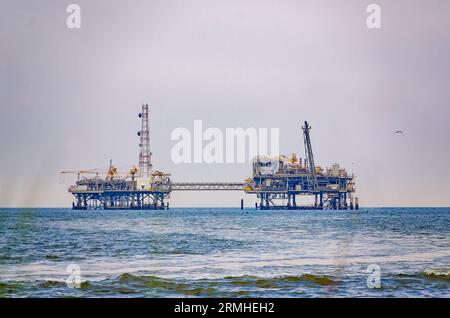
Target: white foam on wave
[(204, 266)]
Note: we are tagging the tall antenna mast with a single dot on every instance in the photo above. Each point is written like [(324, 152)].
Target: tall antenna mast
[(145, 162)]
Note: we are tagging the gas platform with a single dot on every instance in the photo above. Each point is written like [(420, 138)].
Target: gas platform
[(140, 188), (279, 183), (286, 183)]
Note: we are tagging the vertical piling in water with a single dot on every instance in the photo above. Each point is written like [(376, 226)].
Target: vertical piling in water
[(356, 203), (242, 204)]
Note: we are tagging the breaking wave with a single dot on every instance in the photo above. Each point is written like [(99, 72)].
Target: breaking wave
[(438, 273), (281, 281)]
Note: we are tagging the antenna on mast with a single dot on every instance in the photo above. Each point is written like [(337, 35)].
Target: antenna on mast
[(145, 163)]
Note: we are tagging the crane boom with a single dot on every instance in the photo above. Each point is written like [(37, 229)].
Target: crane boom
[(312, 178)]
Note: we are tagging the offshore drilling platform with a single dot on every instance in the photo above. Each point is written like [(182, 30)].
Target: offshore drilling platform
[(141, 188), (279, 183)]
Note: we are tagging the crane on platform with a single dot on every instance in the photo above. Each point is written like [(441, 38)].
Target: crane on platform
[(309, 157), (80, 172), (110, 173)]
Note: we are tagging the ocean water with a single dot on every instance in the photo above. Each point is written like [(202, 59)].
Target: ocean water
[(225, 253)]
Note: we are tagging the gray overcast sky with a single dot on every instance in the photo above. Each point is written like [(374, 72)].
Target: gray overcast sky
[(69, 98)]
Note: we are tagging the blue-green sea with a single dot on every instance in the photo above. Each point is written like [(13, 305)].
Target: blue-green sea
[(388, 252)]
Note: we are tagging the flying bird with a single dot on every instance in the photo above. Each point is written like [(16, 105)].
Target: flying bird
[(398, 132)]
